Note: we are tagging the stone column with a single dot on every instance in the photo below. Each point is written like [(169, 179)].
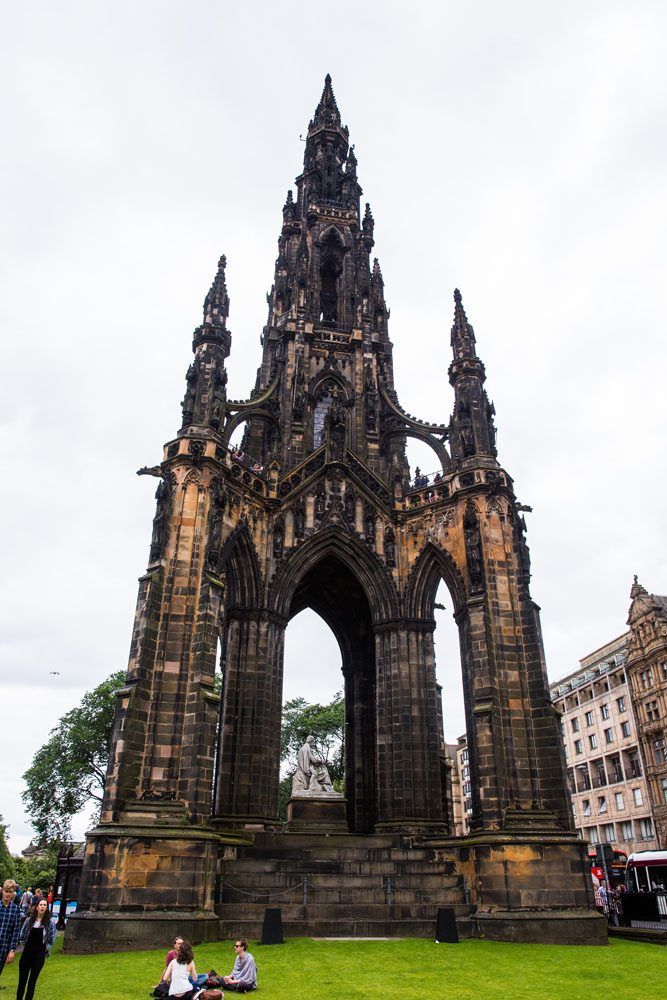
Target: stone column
[(249, 741), (409, 782)]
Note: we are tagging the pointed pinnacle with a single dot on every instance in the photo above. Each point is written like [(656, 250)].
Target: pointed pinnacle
[(377, 272), (327, 109), (216, 303), (463, 335), (637, 590)]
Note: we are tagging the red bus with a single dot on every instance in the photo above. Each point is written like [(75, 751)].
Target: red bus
[(615, 868)]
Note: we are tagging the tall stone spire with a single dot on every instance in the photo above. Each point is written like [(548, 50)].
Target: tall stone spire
[(326, 112), (472, 431), (206, 379)]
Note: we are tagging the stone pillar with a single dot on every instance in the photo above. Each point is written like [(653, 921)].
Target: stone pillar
[(409, 782), (249, 741), (149, 865)]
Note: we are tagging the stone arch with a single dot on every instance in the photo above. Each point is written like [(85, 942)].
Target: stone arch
[(437, 446), (433, 565), (375, 581), (238, 560), (244, 416)]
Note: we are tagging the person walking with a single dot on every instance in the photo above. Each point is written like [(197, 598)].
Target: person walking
[(26, 902), (37, 935), (10, 923)]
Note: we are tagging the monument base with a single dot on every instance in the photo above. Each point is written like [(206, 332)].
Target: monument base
[(312, 812)]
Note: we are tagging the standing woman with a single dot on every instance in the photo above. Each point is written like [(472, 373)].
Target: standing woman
[(179, 972), (37, 935)]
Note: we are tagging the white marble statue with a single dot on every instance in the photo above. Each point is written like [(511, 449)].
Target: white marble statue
[(312, 774)]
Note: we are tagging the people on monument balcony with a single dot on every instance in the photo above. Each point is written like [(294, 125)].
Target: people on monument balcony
[(257, 467), (179, 973), (243, 977), (420, 479), (312, 773), (10, 922), (437, 478), (37, 935)]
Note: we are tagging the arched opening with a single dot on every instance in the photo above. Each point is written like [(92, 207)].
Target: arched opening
[(334, 593), (312, 680), (449, 678), (329, 292), (422, 460)]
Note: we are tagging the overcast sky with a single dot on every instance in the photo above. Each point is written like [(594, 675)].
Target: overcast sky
[(517, 151)]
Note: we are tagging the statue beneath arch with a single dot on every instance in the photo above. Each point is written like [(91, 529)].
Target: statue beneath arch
[(317, 509)]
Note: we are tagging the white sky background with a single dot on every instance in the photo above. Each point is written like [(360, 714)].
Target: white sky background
[(517, 151)]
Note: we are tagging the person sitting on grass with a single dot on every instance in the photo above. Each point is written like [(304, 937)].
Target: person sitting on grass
[(173, 952), (179, 972), (243, 978)]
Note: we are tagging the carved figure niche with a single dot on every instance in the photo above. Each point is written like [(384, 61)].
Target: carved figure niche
[(330, 272)]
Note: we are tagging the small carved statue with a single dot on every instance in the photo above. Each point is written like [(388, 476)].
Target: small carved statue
[(278, 539), (163, 497), (473, 546), (390, 547), (299, 519), (312, 773)]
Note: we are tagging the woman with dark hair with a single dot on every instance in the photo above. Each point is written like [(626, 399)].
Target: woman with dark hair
[(179, 972), (37, 935)]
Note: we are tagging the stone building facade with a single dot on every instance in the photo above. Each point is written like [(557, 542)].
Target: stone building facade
[(614, 726), (316, 509), (647, 674), (610, 800)]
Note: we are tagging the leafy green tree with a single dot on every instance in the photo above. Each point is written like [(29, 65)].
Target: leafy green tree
[(69, 770), (327, 724), (7, 867)]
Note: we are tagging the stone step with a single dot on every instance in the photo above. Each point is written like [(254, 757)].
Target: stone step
[(273, 881), (338, 853), (310, 866), (331, 911), (351, 927)]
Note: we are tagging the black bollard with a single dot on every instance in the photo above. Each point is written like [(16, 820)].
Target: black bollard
[(445, 928), (272, 928)]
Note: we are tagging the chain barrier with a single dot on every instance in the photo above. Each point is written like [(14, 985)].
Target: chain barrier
[(387, 886)]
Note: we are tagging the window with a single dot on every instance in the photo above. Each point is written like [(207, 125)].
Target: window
[(620, 804), (604, 711), (609, 736), (635, 764), (620, 702), (637, 796), (626, 830), (593, 741), (646, 828), (625, 728), (467, 788), (602, 803), (593, 835), (616, 768), (646, 678), (652, 712), (589, 718), (608, 833), (575, 725), (600, 773), (663, 785), (586, 807), (660, 752), (577, 746)]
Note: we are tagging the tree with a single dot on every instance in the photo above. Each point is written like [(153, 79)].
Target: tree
[(69, 770), (6, 860), (327, 724)]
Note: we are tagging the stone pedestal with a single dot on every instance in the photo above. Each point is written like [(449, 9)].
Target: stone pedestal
[(317, 812)]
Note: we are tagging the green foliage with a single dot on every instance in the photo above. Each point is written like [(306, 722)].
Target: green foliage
[(69, 770), (327, 724), (7, 869), (38, 871), (408, 969)]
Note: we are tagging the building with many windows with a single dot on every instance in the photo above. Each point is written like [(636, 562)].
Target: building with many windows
[(610, 799)]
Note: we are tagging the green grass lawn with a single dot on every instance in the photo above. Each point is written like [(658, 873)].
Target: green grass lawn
[(302, 969)]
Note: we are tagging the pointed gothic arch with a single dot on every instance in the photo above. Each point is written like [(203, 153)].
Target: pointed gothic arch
[(239, 562), (336, 541)]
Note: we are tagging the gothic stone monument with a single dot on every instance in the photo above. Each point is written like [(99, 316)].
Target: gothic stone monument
[(317, 510)]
